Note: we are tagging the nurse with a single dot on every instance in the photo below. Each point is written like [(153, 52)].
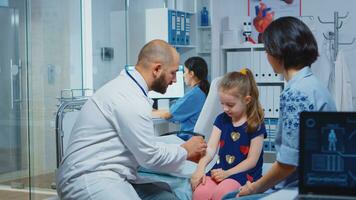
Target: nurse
[(186, 110), (114, 135)]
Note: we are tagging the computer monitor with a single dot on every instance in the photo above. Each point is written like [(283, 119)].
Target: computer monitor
[(327, 156), (176, 90)]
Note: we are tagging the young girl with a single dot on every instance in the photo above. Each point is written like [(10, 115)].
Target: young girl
[(291, 49), (238, 133)]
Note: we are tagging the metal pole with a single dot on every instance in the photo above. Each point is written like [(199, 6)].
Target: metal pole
[(336, 32)]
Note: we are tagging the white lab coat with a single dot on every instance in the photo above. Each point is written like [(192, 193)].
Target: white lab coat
[(112, 136), (342, 91)]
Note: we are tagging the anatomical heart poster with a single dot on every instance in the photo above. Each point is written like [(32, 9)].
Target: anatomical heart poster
[(263, 12)]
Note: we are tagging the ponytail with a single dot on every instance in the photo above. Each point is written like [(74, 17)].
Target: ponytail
[(200, 69), (255, 115), (242, 84), (204, 85)]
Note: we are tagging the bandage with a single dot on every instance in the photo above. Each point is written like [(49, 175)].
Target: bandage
[(210, 152)]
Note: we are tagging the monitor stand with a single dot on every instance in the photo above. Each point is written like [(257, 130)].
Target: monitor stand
[(155, 104), (161, 104)]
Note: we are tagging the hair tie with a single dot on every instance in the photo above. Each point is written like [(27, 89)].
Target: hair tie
[(243, 71)]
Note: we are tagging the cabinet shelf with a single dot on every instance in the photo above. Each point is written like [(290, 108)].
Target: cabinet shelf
[(241, 46), (204, 52), (185, 46), (264, 83), (188, 12), (204, 27)]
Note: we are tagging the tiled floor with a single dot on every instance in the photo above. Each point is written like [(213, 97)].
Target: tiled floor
[(43, 182), (40, 181), (14, 194)]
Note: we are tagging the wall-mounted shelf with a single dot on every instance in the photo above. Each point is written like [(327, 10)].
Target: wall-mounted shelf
[(271, 83), (204, 52), (204, 27), (185, 46), (173, 26), (242, 46)]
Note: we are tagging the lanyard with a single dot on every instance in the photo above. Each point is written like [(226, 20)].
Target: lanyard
[(127, 72)]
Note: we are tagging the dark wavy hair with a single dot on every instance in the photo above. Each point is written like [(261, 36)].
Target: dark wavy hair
[(200, 69), (289, 40)]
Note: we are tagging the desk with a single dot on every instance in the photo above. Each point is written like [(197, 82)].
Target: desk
[(158, 120), (162, 126)]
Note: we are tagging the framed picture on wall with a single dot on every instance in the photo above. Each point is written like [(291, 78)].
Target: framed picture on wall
[(263, 12)]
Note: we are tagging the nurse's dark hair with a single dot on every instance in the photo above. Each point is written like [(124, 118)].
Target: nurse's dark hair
[(242, 84), (290, 41), (200, 69)]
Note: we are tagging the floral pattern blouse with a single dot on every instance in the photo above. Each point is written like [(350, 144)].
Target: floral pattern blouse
[(303, 92)]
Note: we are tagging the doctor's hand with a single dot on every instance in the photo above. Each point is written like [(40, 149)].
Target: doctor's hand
[(165, 114), (196, 148)]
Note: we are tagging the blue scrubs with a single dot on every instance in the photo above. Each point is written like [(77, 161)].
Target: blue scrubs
[(186, 110)]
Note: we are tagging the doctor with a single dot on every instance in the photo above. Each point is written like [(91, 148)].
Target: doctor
[(114, 134)]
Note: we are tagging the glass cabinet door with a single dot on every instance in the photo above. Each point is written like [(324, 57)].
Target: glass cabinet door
[(55, 65), (14, 148), (74, 45)]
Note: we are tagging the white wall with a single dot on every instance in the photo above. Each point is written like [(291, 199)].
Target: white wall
[(75, 39), (324, 8), (102, 22), (221, 11), (4, 2), (109, 30), (118, 41), (137, 26)]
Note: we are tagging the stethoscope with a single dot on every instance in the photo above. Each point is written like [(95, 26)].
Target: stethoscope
[(144, 92)]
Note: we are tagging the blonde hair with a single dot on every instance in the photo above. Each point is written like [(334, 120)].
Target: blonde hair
[(242, 84)]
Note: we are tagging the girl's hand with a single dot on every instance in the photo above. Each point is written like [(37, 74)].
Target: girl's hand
[(219, 175), (247, 189), (197, 178)]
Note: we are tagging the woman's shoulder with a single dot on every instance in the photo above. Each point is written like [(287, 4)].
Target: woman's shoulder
[(308, 91), (196, 93), (198, 90), (307, 82)]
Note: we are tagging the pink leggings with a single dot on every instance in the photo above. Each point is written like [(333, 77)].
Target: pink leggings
[(213, 191)]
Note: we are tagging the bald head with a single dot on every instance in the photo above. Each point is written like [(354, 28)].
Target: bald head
[(157, 51), (158, 63)]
